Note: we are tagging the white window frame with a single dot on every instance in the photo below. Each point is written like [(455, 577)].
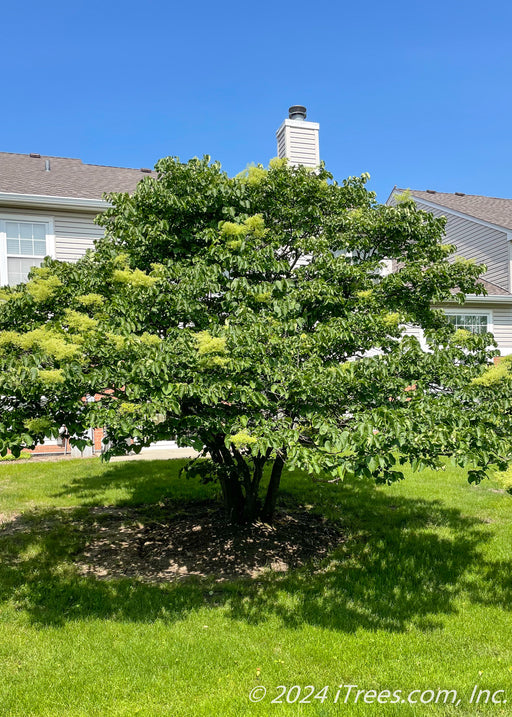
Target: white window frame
[(473, 312), (33, 219)]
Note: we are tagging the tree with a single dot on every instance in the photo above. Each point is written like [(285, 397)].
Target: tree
[(250, 318)]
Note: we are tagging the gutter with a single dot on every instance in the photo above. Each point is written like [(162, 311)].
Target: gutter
[(39, 200), (487, 299)]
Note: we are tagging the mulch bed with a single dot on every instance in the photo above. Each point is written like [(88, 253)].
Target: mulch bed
[(199, 542)]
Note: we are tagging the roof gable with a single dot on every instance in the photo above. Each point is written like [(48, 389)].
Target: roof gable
[(488, 209)]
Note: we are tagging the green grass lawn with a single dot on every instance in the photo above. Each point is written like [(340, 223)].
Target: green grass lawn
[(417, 597)]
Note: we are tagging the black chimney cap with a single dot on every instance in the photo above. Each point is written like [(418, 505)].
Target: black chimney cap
[(297, 112)]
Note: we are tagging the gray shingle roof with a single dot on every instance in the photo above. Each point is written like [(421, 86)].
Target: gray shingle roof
[(488, 209), (23, 174), (494, 288)]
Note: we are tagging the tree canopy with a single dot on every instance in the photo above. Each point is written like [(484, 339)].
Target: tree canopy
[(250, 317)]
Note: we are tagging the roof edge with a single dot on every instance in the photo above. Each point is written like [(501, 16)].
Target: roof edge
[(456, 212), (40, 200), (484, 298)]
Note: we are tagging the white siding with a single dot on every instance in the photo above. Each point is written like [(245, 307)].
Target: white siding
[(281, 145), (412, 330), (303, 146), (298, 142), (500, 317), (75, 232), (502, 323)]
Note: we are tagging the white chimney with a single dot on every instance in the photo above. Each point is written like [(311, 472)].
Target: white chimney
[(297, 140)]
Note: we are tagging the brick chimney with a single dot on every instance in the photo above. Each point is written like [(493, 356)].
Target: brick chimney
[(297, 139)]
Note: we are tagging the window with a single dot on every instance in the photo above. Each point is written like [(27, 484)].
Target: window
[(477, 323), (23, 244)]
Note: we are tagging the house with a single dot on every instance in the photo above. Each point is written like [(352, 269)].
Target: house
[(481, 229), (48, 204), (47, 208)]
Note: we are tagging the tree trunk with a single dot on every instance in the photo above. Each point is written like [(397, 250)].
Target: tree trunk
[(252, 503), (228, 478), (240, 484), (269, 506), (233, 498)]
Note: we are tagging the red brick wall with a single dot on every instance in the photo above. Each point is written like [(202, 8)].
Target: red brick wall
[(66, 448), (49, 449), (98, 436)]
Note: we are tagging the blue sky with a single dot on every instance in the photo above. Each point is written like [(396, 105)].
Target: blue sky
[(417, 94)]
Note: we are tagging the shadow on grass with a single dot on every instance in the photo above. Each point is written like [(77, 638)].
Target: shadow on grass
[(404, 561), (494, 586), (143, 482), (38, 576)]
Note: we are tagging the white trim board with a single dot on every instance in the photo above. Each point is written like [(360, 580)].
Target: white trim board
[(487, 299), (49, 236), (10, 199), (473, 312)]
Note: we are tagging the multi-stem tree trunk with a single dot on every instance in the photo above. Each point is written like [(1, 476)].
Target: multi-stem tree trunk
[(240, 481)]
